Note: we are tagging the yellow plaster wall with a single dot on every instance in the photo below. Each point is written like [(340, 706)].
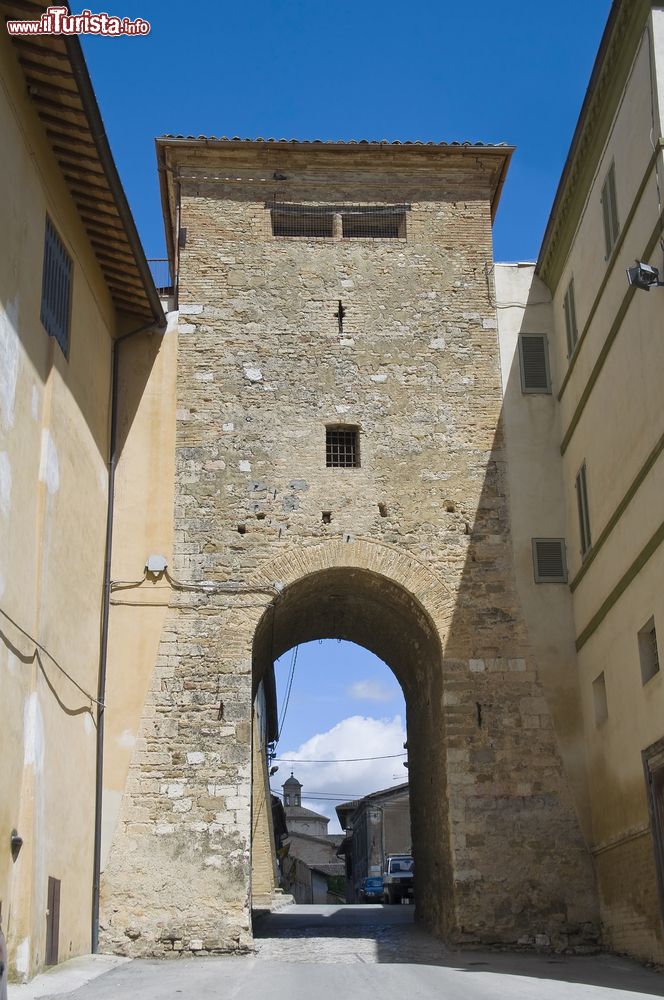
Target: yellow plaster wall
[(53, 481), (618, 428), (143, 525)]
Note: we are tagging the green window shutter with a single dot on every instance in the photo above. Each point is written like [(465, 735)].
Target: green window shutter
[(570, 319), (584, 516), (610, 210)]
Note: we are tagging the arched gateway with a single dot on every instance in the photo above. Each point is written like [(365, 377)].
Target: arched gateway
[(341, 474)]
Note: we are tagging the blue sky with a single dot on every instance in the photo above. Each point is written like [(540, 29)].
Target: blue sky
[(344, 703), (512, 72)]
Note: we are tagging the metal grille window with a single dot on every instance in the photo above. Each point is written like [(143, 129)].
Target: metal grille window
[(610, 210), (648, 652), (342, 450), (374, 222), (534, 360), (302, 220), (584, 516), (549, 560), (56, 288), (570, 319)]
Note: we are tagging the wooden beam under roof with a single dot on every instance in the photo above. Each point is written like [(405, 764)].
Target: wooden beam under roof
[(60, 89)]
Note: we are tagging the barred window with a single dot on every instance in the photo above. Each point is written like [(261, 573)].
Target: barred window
[(342, 450), (373, 222), (299, 220), (56, 288)]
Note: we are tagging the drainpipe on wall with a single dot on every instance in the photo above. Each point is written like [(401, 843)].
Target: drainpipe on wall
[(105, 614)]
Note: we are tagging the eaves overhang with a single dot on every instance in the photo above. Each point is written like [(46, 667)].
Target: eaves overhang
[(624, 28), (312, 147), (60, 89)]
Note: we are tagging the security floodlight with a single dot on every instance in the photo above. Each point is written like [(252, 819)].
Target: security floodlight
[(643, 276)]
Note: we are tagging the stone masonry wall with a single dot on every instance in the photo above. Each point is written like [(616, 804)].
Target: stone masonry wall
[(263, 368)]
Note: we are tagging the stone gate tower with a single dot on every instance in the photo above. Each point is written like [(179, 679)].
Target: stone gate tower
[(340, 472)]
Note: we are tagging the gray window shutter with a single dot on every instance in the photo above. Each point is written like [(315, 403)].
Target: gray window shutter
[(610, 210), (549, 560), (570, 319), (534, 360), (56, 288)]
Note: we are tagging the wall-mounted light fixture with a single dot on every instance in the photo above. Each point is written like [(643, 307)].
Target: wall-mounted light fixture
[(644, 276)]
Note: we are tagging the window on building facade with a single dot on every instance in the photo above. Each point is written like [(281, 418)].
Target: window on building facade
[(582, 504), (534, 362), (600, 704), (648, 652), (342, 447), (301, 220), (375, 222), (56, 288), (571, 329), (610, 210), (549, 560)]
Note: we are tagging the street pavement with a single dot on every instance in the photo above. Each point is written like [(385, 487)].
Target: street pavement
[(358, 952)]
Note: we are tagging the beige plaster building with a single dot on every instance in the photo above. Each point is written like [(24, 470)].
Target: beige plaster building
[(73, 281), (583, 358)]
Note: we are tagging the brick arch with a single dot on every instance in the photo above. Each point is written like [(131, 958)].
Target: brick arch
[(394, 605), (428, 589)]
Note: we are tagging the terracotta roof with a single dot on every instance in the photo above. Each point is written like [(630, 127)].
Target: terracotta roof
[(60, 89), (335, 142)]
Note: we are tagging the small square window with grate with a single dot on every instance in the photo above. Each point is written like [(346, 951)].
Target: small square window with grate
[(342, 449), (549, 560)]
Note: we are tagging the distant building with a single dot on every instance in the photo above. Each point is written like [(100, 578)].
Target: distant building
[(311, 861), (377, 825)]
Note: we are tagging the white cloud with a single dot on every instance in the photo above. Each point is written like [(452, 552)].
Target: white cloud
[(370, 691), (357, 736)]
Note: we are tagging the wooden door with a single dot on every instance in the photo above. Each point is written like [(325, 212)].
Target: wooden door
[(53, 921)]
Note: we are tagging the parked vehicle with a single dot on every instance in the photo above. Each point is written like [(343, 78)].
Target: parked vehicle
[(371, 889), (398, 878)]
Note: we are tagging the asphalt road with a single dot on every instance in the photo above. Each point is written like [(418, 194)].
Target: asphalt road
[(353, 952)]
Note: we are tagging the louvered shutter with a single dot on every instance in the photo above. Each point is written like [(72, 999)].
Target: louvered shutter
[(533, 356), (549, 560), (56, 288)]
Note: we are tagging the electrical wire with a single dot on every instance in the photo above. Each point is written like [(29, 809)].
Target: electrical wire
[(53, 660), (289, 685), (339, 760)]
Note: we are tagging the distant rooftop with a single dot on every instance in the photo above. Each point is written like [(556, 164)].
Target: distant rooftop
[(335, 142)]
